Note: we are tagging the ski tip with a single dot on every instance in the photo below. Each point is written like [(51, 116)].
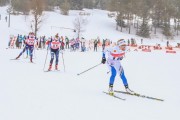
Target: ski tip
[(159, 99), (14, 59), (32, 62)]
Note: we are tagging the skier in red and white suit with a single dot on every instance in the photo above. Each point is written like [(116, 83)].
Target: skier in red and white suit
[(54, 45), (30, 41)]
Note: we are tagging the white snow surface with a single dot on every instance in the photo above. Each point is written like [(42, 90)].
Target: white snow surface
[(28, 93)]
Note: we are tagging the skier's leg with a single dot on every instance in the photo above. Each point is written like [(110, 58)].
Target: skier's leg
[(113, 75), (123, 77), (52, 57), (21, 53), (111, 81), (51, 61), (57, 59), (31, 48), (27, 51)]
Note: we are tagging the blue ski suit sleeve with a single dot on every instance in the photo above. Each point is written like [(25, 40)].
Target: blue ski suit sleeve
[(103, 55)]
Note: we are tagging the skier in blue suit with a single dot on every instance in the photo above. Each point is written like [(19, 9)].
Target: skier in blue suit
[(115, 54)]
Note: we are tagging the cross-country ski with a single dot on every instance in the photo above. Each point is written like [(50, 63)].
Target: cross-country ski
[(139, 95)]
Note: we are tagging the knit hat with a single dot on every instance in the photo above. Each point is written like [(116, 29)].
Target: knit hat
[(121, 42)]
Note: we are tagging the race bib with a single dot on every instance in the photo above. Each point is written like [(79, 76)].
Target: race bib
[(30, 41), (55, 45)]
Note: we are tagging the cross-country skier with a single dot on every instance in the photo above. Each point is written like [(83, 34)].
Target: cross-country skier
[(54, 45), (29, 44), (115, 54)]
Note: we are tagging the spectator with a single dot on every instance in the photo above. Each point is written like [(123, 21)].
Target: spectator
[(20, 40), (128, 42), (6, 18), (167, 43), (103, 44), (43, 42), (141, 41), (67, 42), (62, 43), (95, 45)]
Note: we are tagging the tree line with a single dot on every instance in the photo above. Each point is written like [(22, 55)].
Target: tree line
[(21, 5), (147, 16)]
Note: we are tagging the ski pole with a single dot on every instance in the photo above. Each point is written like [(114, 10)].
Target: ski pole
[(63, 62), (89, 69), (34, 53), (24, 51), (45, 59)]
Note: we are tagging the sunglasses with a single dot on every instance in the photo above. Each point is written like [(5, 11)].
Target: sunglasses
[(123, 45)]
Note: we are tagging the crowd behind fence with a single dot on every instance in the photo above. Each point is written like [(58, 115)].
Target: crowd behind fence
[(80, 44)]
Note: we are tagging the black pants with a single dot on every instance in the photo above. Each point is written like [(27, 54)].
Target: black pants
[(56, 53)]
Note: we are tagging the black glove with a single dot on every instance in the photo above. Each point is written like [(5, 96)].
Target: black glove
[(121, 58), (103, 60)]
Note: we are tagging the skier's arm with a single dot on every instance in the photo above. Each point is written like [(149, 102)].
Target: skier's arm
[(103, 61), (48, 43), (25, 41)]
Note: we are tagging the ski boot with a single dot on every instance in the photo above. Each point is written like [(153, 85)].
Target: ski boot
[(111, 92), (129, 90), (31, 60), (56, 67), (50, 67)]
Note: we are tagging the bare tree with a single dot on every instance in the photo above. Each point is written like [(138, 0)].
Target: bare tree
[(37, 7), (79, 23)]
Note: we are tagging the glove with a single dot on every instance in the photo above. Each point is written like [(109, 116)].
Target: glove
[(121, 58), (103, 60)]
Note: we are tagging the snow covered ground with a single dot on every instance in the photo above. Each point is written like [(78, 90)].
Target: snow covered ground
[(27, 93)]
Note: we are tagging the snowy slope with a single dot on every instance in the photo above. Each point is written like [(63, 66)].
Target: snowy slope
[(27, 93)]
